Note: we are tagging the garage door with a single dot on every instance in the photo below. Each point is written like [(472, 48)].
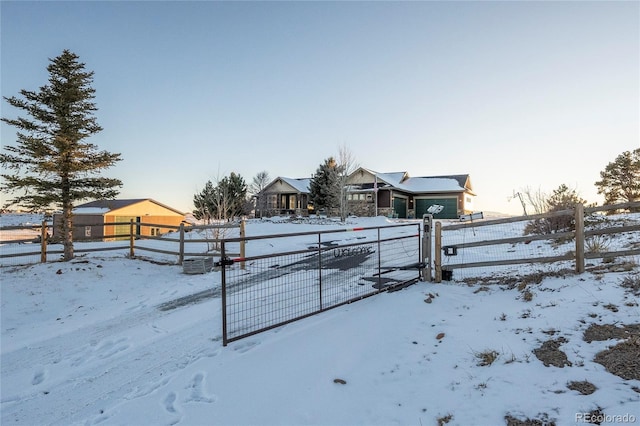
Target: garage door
[(400, 207), (450, 205)]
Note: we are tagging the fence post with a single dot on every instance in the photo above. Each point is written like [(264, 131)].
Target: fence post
[(43, 242), (427, 220), (181, 255), (242, 242), (579, 219), (131, 251), (438, 252)]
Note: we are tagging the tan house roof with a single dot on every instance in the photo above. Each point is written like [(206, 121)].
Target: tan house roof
[(111, 206)]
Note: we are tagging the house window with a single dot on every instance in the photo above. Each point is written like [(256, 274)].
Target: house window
[(272, 201)]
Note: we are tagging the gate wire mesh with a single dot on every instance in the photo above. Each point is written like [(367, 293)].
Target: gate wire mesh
[(325, 270)]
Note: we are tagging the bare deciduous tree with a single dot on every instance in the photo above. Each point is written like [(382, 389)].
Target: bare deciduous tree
[(259, 183), (346, 165)]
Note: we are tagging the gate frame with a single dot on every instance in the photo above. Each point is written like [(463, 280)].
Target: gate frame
[(226, 261)]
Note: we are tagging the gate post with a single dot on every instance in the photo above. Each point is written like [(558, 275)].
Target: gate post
[(427, 222), (438, 253), (223, 294)]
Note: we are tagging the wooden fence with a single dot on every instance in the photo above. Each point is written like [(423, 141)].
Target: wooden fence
[(32, 241), (578, 235)]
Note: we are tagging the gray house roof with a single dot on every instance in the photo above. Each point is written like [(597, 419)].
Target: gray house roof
[(422, 184), (398, 180), (301, 185)]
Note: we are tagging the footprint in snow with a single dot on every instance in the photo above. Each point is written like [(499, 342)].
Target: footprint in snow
[(110, 348), (197, 392), (39, 377), (168, 402), (104, 349)]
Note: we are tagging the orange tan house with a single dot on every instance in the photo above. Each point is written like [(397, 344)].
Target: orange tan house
[(91, 220)]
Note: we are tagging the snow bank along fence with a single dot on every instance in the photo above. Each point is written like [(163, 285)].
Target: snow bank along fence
[(328, 269), (499, 242), (21, 245)]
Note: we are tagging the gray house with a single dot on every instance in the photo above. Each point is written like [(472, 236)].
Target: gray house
[(371, 193), (397, 194)]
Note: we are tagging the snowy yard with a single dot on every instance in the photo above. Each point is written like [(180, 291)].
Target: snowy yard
[(85, 343)]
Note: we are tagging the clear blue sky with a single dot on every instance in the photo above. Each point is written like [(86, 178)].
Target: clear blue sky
[(515, 94)]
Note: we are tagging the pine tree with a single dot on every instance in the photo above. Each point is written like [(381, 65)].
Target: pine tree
[(236, 189), (225, 201), (620, 180), (203, 203), (53, 165), (324, 188)]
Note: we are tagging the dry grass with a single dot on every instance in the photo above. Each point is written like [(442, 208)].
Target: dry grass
[(584, 387), (486, 358), (444, 420)]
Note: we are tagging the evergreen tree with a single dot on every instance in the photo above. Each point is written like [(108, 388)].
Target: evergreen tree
[(225, 201), (203, 203), (620, 180), (324, 188), (53, 165), (235, 188)]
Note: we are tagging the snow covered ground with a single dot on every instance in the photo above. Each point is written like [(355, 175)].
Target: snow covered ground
[(84, 343)]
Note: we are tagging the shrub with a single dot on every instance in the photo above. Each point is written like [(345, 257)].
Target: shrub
[(562, 198)]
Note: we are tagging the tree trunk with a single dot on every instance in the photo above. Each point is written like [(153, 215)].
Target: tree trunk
[(67, 231)]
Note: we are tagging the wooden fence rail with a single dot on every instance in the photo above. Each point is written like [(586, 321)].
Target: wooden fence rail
[(133, 240), (578, 235)]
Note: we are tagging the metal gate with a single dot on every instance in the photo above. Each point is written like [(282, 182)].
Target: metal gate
[(313, 272)]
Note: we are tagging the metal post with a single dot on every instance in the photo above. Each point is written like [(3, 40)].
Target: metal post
[(223, 295), (379, 264), (427, 223), (438, 252), (320, 266), (242, 243)]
